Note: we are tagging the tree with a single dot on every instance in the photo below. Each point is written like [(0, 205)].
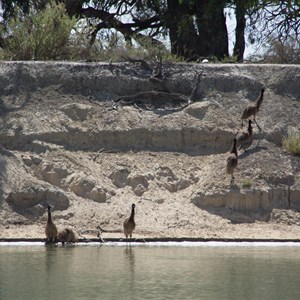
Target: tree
[(152, 19), (196, 28), (182, 33), (212, 30), (240, 12), (279, 18), (208, 37), (41, 36)]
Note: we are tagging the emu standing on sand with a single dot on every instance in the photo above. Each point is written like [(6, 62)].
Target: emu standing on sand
[(129, 223), (244, 139), (232, 160), (67, 235), (253, 108), (50, 230)]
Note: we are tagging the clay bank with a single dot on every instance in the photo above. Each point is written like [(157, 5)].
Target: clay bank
[(90, 139)]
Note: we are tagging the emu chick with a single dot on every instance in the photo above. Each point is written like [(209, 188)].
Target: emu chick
[(67, 235)]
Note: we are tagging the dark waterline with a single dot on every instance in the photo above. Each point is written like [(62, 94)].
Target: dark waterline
[(149, 272)]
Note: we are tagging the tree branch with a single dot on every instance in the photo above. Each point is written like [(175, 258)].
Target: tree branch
[(109, 20)]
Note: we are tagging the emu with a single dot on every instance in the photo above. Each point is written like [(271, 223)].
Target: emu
[(129, 223), (244, 139), (67, 235), (253, 108), (50, 230), (232, 160)]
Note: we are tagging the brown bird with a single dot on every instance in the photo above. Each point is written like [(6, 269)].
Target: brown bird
[(50, 230), (67, 235), (232, 160), (129, 223), (244, 139), (253, 108)]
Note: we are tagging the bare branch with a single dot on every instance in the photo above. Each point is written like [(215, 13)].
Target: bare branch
[(143, 63)]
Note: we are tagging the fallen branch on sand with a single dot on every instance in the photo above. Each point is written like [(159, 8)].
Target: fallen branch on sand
[(109, 230), (157, 99), (152, 95)]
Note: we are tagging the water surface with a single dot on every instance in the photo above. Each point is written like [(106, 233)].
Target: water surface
[(188, 271)]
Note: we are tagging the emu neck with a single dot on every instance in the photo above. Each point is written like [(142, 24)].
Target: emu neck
[(234, 150), (49, 217), (260, 100), (250, 129), (131, 218)]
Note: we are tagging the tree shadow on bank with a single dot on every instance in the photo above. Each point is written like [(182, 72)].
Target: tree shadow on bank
[(239, 216), (229, 208)]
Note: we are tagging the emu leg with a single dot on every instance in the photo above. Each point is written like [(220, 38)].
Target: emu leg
[(256, 124)]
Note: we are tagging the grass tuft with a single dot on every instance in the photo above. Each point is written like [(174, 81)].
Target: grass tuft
[(247, 183), (291, 143)]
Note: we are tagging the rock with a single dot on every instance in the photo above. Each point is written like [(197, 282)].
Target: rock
[(77, 111), (27, 160), (198, 109), (31, 193), (98, 194), (165, 172), (119, 177), (139, 183), (54, 174), (183, 184), (36, 159), (86, 186), (139, 190)]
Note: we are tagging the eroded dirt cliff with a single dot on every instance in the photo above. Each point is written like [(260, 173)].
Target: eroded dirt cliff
[(70, 138)]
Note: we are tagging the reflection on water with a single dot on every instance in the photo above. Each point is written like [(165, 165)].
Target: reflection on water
[(144, 272)]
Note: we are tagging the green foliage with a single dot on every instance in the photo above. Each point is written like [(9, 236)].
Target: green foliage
[(230, 59), (41, 36), (196, 28), (114, 48), (80, 47), (247, 183), (291, 143), (147, 50)]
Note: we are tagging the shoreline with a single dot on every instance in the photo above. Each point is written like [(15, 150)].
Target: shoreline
[(158, 240)]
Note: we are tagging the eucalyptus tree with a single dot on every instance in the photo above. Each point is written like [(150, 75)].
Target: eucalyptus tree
[(195, 28), (279, 19), (276, 19)]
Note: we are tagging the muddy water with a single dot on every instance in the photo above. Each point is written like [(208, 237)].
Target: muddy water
[(182, 271)]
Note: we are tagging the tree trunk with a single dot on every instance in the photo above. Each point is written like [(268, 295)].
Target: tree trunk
[(211, 24), (239, 47), (182, 32)]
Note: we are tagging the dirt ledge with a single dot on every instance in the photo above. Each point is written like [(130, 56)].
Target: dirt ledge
[(64, 142)]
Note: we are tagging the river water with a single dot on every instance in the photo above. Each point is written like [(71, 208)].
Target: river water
[(151, 271)]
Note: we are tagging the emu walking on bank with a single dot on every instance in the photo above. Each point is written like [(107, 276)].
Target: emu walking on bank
[(253, 108), (129, 223), (244, 139), (50, 230), (232, 160), (67, 235)]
